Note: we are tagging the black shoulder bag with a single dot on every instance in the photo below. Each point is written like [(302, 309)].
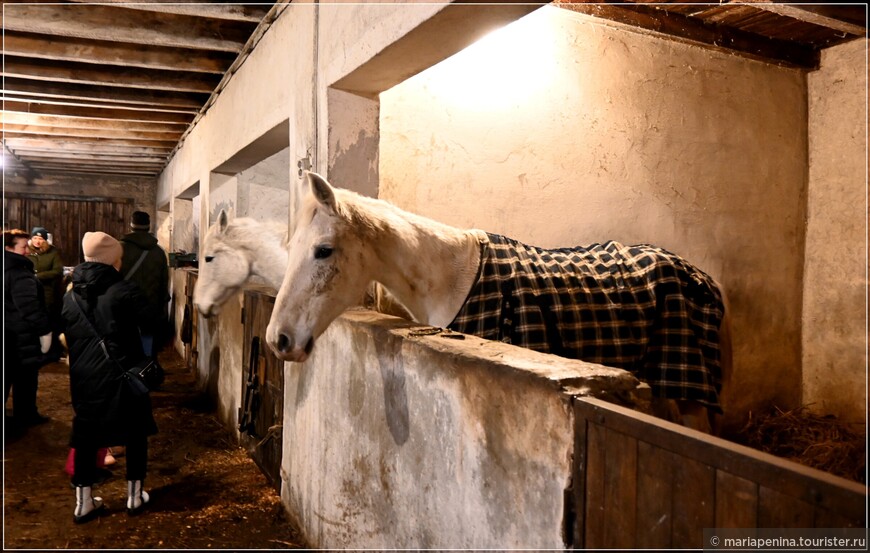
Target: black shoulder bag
[(145, 376)]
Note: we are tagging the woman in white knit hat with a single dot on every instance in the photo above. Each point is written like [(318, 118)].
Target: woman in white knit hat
[(106, 412)]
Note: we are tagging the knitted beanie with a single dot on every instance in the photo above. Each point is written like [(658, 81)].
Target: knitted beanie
[(39, 231), (140, 221), (99, 247)]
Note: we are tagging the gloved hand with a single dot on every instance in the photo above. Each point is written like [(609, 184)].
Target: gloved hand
[(45, 342)]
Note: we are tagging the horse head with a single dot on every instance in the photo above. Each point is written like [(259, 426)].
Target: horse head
[(224, 270), (329, 269)]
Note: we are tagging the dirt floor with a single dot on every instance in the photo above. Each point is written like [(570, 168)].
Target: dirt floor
[(206, 493)]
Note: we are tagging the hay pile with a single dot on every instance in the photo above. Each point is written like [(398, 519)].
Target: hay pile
[(819, 441)]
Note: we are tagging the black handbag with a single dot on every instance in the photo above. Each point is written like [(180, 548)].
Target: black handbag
[(142, 378)]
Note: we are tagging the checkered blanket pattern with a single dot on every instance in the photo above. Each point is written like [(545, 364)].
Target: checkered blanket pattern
[(639, 308)]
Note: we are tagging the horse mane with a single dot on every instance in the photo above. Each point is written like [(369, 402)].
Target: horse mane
[(242, 231), (370, 216)]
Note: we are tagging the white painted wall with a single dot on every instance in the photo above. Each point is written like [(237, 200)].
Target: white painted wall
[(835, 274), (263, 189), (570, 131)]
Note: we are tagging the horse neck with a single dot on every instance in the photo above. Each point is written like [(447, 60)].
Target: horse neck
[(429, 267), (268, 255)]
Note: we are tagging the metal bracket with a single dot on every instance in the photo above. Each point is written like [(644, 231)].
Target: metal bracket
[(304, 164), (434, 330)]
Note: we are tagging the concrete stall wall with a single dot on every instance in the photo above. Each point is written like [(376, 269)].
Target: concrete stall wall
[(835, 273), (430, 443), (561, 130)]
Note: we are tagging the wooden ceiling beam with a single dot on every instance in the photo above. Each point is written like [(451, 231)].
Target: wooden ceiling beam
[(171, 137), (675, 25), (96, 157), (232, 12), (98, 113), (95, 162), (98, 163), (91, 74), (96, 22), (35, 119), (81, 50), (97, 154), (83, 170), (846, 19), (161, 98), (94, 104), (129, 153), (74, 143)]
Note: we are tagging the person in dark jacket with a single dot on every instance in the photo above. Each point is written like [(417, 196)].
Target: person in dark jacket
[(48, 266), (145, 263), (26, 329), (107, 413)]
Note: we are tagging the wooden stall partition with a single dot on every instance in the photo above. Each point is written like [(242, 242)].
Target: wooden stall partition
[(189, 332), (641, 482), (261, 414)]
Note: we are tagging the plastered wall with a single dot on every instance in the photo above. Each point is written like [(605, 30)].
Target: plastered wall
[(430, 443), (835, 274), (569, 131)]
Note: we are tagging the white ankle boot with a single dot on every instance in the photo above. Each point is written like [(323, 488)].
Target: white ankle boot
[(136, 497), (87, 506)]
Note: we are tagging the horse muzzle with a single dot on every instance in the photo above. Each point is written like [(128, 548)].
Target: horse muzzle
[(288, 349), (207, 310)]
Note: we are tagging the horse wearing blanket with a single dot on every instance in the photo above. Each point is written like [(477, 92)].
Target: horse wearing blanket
[(639, 308)]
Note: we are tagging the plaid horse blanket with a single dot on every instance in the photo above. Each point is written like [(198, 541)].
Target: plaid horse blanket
[(639, 308)]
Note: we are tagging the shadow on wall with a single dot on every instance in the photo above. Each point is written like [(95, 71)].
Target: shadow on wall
[(395, 396), (212, 375)]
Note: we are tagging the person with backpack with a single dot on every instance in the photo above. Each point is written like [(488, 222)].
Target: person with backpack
[(145, 263)]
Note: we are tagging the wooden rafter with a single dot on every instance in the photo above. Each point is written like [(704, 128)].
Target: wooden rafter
[(93, 74), (652, 18), (95, 22), (80, 50), (120, 114), (845, 19), (105, 93)]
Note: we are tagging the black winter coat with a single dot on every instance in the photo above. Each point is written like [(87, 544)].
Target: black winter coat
[(153, 274), (106, 413), (24, 308)]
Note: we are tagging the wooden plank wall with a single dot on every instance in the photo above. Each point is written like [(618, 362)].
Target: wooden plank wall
[(641, 482), (68, 219), (190, 317), (265, 443)]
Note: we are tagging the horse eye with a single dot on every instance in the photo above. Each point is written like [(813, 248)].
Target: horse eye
[(322, 252), (209, 258)]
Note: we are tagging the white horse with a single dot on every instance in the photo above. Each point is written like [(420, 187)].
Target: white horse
[(343, 241), (235, 253)]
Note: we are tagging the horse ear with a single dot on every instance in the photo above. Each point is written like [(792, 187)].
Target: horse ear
[(322, 190), (222, 220)]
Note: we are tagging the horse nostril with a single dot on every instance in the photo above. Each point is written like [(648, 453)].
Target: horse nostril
[(309, 345), (283, 342)]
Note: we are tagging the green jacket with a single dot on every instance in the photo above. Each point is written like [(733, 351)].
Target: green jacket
[(49, 270)]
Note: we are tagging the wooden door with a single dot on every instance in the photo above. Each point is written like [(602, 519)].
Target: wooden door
[(261, 414), (67, 218)]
